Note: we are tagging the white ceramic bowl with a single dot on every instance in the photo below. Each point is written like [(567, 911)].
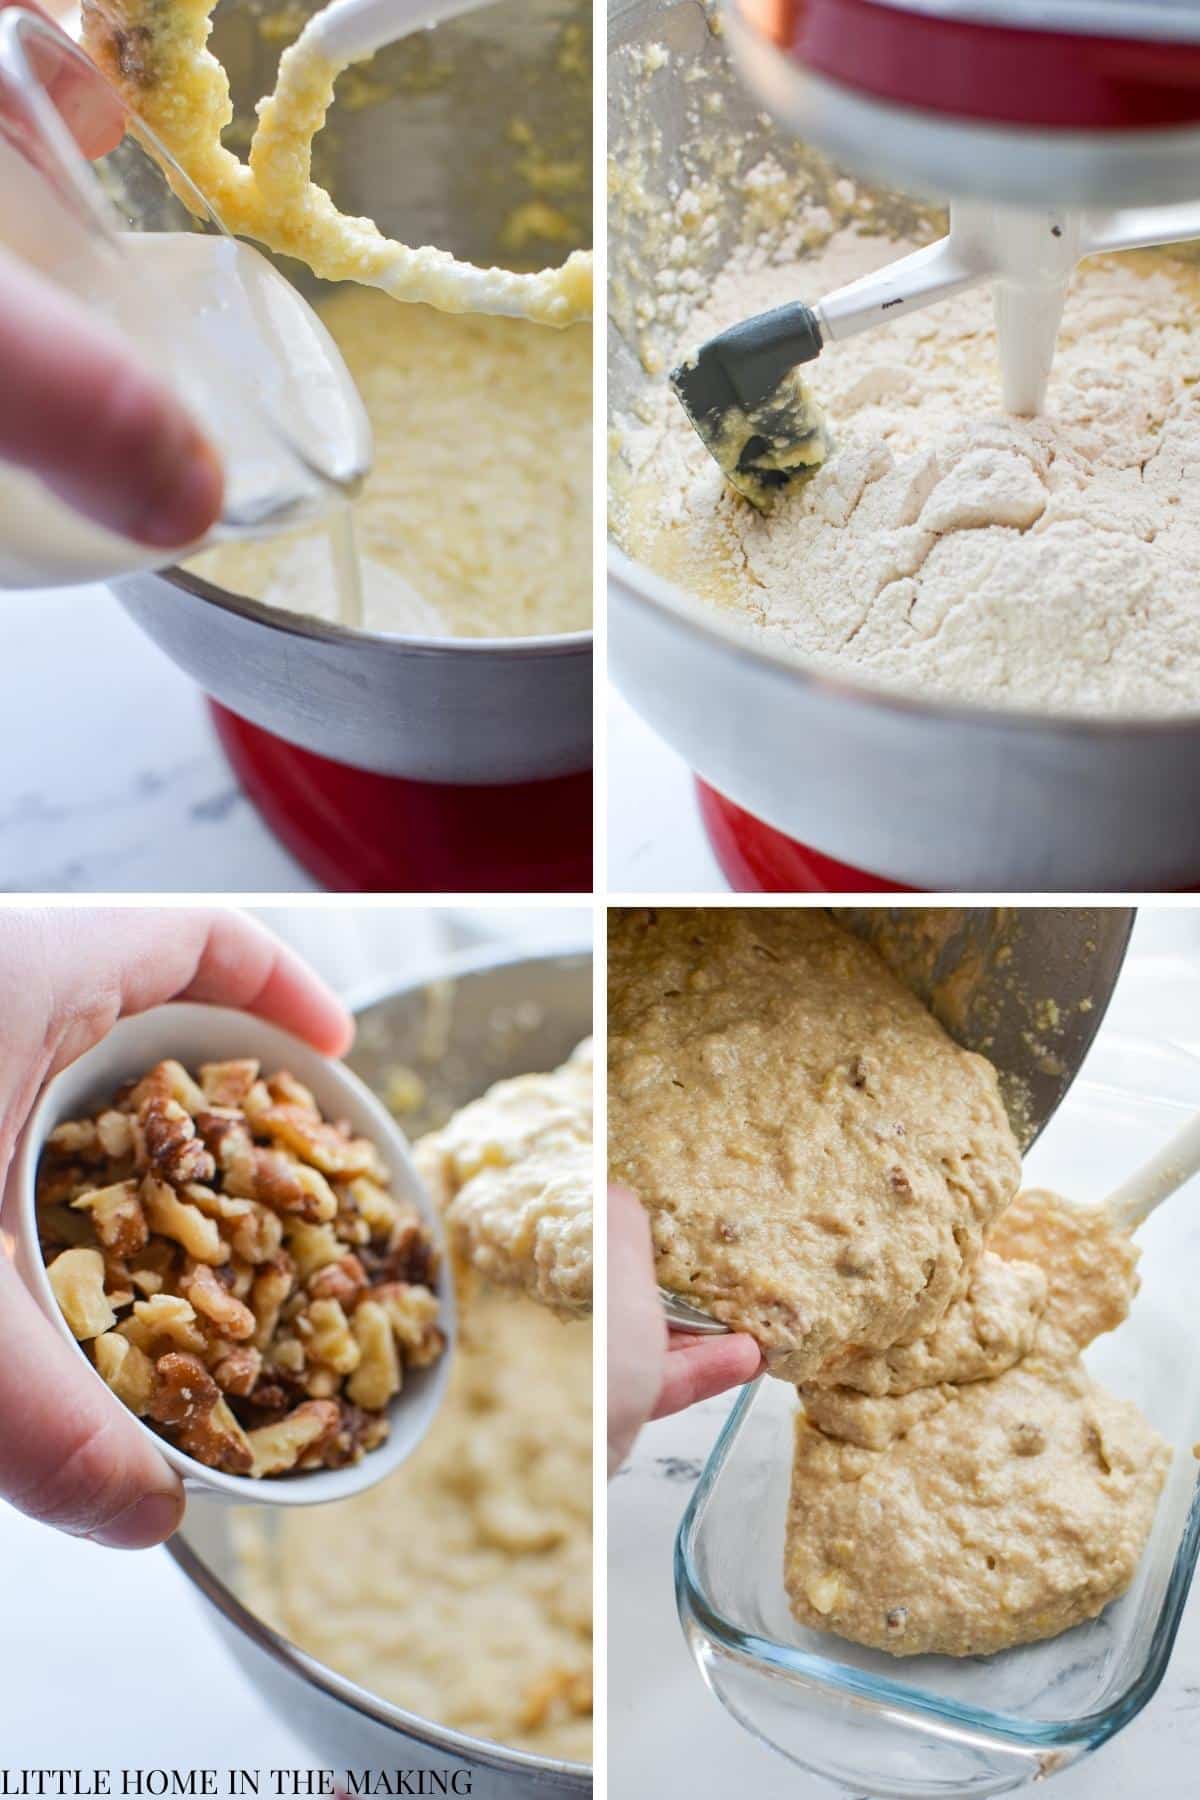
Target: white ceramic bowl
[(192, 1035)]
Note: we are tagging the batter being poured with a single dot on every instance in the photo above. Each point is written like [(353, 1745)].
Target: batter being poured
[(980, 1490), (824, 1168)]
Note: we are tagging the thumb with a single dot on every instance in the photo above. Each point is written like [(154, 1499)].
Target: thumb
[(104, 434), (70, 1453)]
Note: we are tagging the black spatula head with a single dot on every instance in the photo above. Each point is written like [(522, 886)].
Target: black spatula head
[(743, 392)]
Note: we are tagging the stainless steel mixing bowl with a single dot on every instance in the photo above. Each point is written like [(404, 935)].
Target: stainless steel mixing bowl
[(921, 792), (487, 1016), (429, 156)]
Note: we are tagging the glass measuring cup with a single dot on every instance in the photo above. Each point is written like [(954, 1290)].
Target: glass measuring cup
[(208, 314)]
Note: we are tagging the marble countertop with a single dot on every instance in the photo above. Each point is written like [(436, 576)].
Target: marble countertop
[(656, 843), (669, 1735), (113, 778)]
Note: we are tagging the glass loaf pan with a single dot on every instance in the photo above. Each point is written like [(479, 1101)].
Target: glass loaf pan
[(934, 1726)]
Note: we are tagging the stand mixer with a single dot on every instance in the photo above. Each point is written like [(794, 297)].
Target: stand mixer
[(1061, 131), (1056, 129), (387, 762)]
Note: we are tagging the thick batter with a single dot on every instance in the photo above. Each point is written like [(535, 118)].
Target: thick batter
[(819, 1159), (479, 500), (461, 1587), (156, 54), (975, 1514), (512, 1173)]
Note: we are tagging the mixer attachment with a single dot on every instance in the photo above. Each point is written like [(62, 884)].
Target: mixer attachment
[(743, 392)]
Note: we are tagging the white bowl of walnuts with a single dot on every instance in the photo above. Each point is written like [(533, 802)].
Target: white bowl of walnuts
[(231, 1230)]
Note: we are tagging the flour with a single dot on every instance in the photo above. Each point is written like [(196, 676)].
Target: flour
[(946, 547)]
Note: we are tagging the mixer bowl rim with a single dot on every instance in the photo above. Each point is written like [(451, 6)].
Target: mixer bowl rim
[(654, 592), (564, 643), (456, 966)]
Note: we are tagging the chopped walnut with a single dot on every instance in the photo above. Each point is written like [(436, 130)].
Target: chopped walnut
[(173, 1150), (217, 1439), (127, 1370), (325, 1332), (377, 1376), (278, 1448), (77, 1277), (236, 1368), (237, 1268), (172, 1217), (228, 1083), (164, 1322), (117, 1216), (210, 1297)]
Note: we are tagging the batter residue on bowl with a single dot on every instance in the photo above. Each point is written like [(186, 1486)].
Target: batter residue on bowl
[(461, 1588)]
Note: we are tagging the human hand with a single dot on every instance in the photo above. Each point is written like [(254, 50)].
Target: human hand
[(653, 1371), (80, 411), (69, 1454)]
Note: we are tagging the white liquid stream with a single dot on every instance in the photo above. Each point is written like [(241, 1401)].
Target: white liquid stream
[(347, 569)]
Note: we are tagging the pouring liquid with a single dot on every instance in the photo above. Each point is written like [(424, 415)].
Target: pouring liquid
[(240, 346), (347, 569)]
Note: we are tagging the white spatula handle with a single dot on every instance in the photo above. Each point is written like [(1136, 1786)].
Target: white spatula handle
[(1133, 1202), (348, 30)]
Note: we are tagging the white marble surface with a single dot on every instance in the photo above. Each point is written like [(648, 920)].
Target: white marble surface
[(111, 777), (108, 1660), (656, 843), (668, 1735)]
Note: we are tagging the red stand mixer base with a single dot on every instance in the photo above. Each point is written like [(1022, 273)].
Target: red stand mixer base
[(361, 833), (757, 859)]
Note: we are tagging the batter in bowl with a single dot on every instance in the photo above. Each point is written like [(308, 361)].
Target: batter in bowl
[(819, 1159), (945, 547), (512, 1174), (476, 518), (461, 1587), (984, 1510)]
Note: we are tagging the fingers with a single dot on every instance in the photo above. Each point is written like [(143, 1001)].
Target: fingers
[(108, 962), (243, 964), (636, 1331), (704, 1367), (104, 434), (91, 110), (70, 1454)]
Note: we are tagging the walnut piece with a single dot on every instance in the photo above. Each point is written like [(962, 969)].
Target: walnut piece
[(77, 1277), (236, 1265)]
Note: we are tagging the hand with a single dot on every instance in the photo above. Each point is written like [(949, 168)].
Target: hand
[(653, 1371), (80, 411), (69, 1454)]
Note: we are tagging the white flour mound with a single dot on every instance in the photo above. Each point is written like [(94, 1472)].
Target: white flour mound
[(947, 547)]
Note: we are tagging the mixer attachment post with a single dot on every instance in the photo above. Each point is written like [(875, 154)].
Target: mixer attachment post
[(745, 395)]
